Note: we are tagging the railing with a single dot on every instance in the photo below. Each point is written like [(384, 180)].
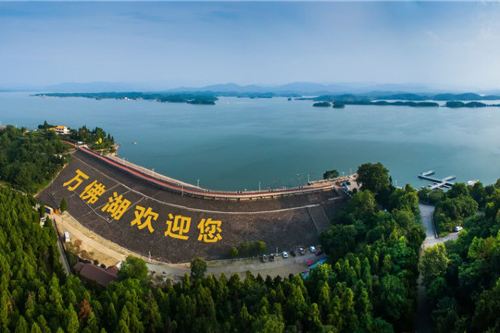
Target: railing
[(184, 188)]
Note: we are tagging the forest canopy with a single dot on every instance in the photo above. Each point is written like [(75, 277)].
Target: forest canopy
[(29, 159), (463, 277)]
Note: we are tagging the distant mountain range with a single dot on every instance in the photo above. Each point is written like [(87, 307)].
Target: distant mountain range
[(304, 88), (301, 88), (295, 89)]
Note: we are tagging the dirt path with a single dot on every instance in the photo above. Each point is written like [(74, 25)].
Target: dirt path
[(109, 254)]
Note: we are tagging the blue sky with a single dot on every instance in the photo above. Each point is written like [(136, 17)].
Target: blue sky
[(443, 45)]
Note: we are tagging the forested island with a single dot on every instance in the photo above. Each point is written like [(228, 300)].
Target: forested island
[(459, 104), (406, 99), (335, 100), (367, 285), (190, 98), (322, 104)]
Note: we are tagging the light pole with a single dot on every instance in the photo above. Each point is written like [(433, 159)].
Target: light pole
[(259, 185), (198, 182)]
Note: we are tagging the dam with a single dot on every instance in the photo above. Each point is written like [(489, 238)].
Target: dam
[(173, 221)]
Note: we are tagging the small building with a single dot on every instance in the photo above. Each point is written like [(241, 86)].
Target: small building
[(96, 274), (60, 129)]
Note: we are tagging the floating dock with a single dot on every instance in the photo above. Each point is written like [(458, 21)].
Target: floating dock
[(437, 183)]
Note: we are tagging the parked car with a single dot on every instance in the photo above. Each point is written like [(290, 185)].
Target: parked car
[(263, 258), (301, 251), (293, 254), (285, 254), (312, 249), (271, 257), (458, 228)]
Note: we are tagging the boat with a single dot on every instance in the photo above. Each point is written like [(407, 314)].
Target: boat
[(428, 173)]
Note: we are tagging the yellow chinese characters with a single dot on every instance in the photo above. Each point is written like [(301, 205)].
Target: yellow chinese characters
[(116, 206), (147, 214), (178, 226), (210, 230), (76, 181), (92, 192)]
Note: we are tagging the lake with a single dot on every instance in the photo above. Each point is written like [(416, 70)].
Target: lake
[(240, 142)]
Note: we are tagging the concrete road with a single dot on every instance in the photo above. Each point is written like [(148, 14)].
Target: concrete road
[(60, 247), (280, 266), (423, 320)]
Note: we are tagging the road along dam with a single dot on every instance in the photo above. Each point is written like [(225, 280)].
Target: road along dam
[(173, 221)]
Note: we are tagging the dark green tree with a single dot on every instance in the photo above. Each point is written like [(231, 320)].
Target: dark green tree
[(374, 177), (63, 206), (133, 268), (198, 268)]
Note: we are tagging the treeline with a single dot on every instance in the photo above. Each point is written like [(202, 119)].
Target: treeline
[(462, 277), (29, 159)]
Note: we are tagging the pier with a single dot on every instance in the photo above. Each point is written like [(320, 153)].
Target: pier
[(437, 183)]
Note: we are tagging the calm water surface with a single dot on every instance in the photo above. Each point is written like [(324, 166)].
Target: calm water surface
[(239, 142)]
